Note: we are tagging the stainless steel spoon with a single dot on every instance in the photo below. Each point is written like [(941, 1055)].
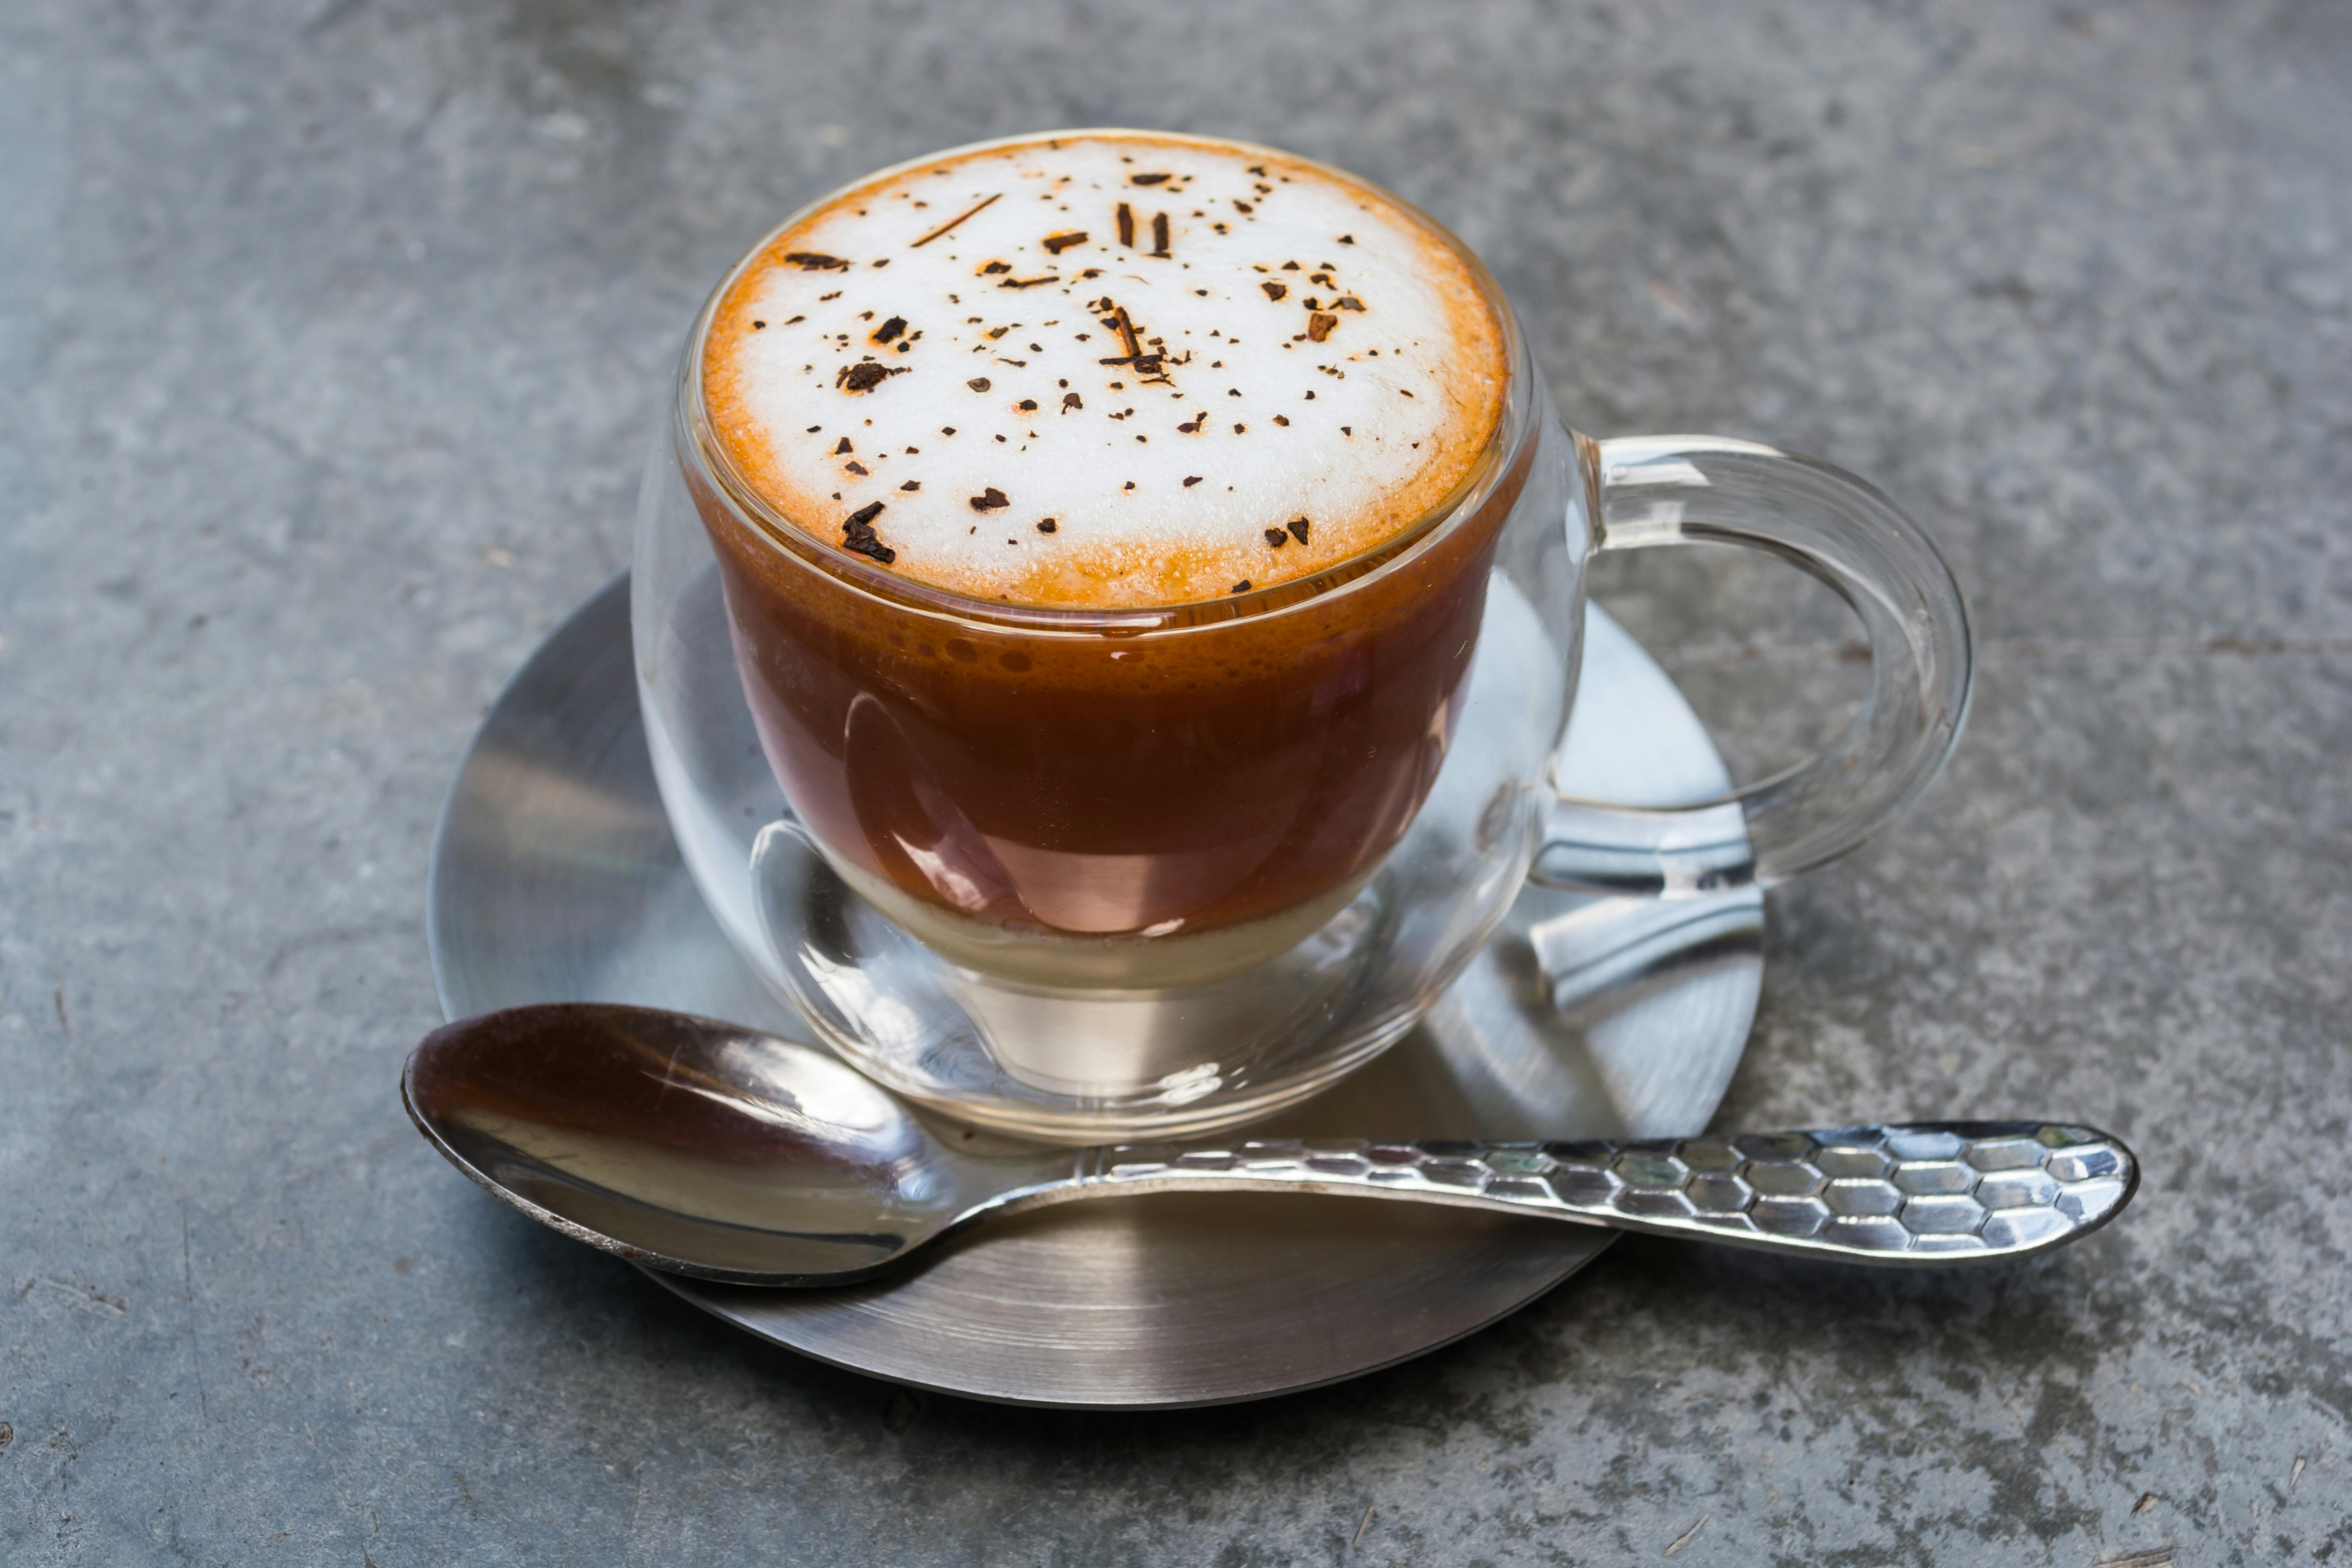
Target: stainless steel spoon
[(707, 1149)]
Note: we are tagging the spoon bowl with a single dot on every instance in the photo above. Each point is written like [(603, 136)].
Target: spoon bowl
[(697, 1146)]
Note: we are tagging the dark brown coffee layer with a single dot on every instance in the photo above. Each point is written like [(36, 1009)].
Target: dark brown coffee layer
[(1090, 784)]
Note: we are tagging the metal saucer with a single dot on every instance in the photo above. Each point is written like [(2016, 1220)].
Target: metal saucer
[(554, 878)]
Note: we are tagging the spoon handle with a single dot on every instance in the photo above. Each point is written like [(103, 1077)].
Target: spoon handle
[(1934, 1193)]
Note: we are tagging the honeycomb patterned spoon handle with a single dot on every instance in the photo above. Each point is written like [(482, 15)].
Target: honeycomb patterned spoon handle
[(1922, 1193)]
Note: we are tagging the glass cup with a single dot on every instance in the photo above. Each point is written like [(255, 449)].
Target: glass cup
[(1010, 878)]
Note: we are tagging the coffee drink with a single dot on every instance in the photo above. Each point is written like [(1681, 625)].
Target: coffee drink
[(1104, 521), (1154, 571)]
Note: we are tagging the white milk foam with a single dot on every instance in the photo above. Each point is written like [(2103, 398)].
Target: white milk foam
[(935, 370)]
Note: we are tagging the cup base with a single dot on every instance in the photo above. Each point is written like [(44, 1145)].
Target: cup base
[(1072, 1063)]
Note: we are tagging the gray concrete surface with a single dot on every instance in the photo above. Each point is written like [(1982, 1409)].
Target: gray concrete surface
[(329, 331)]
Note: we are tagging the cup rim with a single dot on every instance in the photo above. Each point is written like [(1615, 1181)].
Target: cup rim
[(696, 450)]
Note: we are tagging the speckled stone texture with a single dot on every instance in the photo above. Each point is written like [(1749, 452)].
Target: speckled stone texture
[(330, 334)]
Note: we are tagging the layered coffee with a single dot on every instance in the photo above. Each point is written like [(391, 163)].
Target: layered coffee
[(1105, 523)]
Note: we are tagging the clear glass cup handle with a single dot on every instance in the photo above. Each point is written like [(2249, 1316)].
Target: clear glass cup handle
[(1651, 490)]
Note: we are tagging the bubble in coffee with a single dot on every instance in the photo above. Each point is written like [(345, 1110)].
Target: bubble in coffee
[(1105, 370)]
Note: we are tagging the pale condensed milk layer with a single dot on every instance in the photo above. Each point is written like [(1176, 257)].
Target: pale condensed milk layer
[(1105, 370)]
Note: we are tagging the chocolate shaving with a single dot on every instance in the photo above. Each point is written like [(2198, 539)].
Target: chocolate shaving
[(857, 534), (1027, 406), (994, 268), (1347, 302), (1047, 526), (1277, 538), (1319, 325), (758, 326), (978, 384), (1243, 587), (1191, 482), (1282, 419), (1298, 528), (1070, 400), (1159, 233), (912, 485), (1058, 243), (1241, 206), (1126, 226), (1148, 179), (1028, 282), (1274, 290), (816, 261), (865, 376), (845, 446), (1126, 331), (858, 467), (889, 329), (1347, 240), (989, 500), (950, 223)]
